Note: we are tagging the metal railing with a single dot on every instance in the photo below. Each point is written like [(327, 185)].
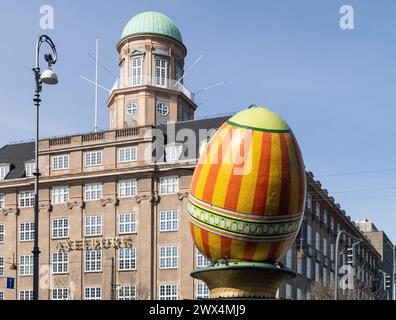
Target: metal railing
[(145, 80)]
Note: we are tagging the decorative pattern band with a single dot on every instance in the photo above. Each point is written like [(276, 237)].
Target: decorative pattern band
[(240, 227)]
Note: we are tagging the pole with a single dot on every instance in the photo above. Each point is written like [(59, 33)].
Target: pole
[(96, 84), (36, 249), (113, 279)]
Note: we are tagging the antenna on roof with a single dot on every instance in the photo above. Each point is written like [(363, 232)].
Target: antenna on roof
[(96, 84)]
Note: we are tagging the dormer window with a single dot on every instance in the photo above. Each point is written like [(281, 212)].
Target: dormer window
[(4, 171), (29, 169)]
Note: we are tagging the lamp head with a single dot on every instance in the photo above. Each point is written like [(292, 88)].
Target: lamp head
[(49, 77)]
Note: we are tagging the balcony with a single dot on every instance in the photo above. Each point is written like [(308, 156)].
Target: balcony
[(145, 80)]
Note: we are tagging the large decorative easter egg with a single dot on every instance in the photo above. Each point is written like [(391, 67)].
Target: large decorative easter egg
[(247, 194)]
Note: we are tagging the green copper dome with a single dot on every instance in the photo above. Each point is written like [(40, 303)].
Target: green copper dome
[(151, 22)]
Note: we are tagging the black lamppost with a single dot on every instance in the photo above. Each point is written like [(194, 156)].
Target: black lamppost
[(47, 77)]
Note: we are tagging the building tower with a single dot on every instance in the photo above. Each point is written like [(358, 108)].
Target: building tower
[(150, 89)]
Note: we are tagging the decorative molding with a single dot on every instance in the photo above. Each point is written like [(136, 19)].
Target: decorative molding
[(76, 204), (7, 211), (155, 198), (109, 200), (182, 195), (45, 207), (149, 47), (142, 197)]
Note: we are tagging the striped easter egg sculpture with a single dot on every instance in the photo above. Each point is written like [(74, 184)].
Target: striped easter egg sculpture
[(247, 194)]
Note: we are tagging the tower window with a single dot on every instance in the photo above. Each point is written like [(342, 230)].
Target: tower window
[(131, 108), (163, 109), (161, 72), (137, 71)]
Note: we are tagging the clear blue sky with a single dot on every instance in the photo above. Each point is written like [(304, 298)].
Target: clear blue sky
[(337, 89)]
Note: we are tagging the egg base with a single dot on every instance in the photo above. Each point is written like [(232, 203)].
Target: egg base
[(244, 280)]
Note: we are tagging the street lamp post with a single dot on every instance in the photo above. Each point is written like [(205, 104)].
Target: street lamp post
[(47, 77)]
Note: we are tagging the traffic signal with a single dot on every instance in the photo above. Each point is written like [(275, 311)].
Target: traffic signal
[(350, 254), (388, 284)]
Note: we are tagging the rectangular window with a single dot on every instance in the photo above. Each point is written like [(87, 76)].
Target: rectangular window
[(309, 268), (317, 209), (127, 259), (168, 292), (202, 262), (288, 295), (309, 201), (93, 226), (203, 291), (332, 252), (332, 223), (26, 265), (169, 257), (309, 234), (26, 199), (60, 228), (60, 262), (325, 247), (169, 220), (26, 295), (127, 154), (1, 295), (299, 294), (4, 171), (60, 294), (60, 162), (325, 217), (60, 195), (169, 185), (317, 271), (1, 267), (161, 72), (93, 191), (317, 241), (324, 276), (173, 153), (126, 292), (26, 231), (289, 258), (137, 71), (2, 201), (30, 168), (2, 233), (93, 261), (93, 159), (127, 188), (299, 266), (93, 293), (127, 223)]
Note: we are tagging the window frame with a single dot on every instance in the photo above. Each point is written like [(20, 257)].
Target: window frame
[(28, 233), (167, 262), (61, 262), (130, 260), (123, 189), (172, 287), (23, 266), (93, 227), (60, 229), (164, 185), (63, 196), (130, 222), (90, 190), (57, 165), (93, 289), (164, 223), (93, 263), (26, 199), (132, 151), (132, 294), (91, 159)]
